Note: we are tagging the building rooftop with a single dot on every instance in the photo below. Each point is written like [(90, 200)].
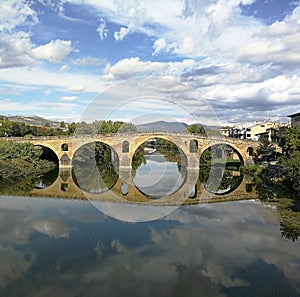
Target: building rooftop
[(294, 115)]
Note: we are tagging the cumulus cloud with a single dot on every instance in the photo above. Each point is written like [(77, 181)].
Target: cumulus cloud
[(16, 47), (235, 55), (14, 13), (134, 67), (131, 67), (54, 51), (15, 50), (276, 44), (159, 45)]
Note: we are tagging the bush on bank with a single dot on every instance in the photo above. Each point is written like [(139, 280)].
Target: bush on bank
[(20, 160)]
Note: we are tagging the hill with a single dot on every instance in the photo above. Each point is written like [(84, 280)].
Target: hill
[(32, 121), (162, 126)]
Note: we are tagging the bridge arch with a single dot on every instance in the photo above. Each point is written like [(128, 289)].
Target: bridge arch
[(64, 147), (250, 151), (144, 138), (87, 174), (125, 147), (241, 154), (193, 146), (55, 156), (94, 141)]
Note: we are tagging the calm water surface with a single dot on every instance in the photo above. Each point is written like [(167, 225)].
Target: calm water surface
[(56, 247), (68, 247)]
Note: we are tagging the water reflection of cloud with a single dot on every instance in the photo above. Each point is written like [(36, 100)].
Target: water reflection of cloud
[(17, 225), (213, 242), (194, 251), (157, 180), (14, 264)]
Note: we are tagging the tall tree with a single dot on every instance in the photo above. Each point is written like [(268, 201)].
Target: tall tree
[(292, 139), (290, 162), (266, 149)]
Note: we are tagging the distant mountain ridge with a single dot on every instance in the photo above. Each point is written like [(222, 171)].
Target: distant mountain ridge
[(162, 126), (32, 121)]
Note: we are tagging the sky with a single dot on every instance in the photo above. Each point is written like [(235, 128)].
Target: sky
[(228, 61)]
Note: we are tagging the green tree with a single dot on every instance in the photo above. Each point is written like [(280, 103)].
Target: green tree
[(290, 162), (84, 128), (21, 160), (291, 169), (127, 127), (292, 139), (138, 158), (72, 128), (195, 129), (266, 149)]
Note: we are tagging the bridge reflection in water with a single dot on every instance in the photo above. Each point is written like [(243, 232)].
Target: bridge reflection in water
[(192, 191)]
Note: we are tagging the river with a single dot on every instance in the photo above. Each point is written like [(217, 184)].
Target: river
[(61, 246)]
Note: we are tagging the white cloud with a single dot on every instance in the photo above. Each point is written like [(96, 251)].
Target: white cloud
[(102, 30), (134, 67), (127, 68), (122, 33), (233, 57), (64, 68), (77, 88), (159, 45), (69, 98), (277, 44), (15, 50), (186, 46), (14, 13), (54, 51), (37, 76)]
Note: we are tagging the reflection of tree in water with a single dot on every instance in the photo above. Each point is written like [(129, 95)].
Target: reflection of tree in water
[(138, 158), (289, 230), (95, 167), (288, 214), (217, 180), (18, 187), (289, 219), (172, 153)]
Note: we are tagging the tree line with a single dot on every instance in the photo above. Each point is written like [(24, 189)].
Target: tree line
[(16, 129)]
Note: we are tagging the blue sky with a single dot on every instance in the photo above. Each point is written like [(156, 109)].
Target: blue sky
[(226, 60)]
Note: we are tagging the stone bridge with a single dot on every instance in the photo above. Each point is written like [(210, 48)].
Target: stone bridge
[(125, 145)]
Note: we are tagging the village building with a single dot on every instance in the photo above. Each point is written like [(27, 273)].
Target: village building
[(295, 119)]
